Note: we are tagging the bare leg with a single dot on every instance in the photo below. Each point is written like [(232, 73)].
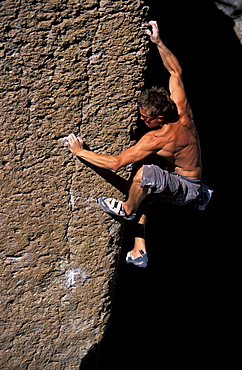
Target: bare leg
[(136, 194), (139, 240)]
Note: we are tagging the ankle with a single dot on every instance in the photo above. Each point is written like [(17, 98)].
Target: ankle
[(129, 211), (135, 253)]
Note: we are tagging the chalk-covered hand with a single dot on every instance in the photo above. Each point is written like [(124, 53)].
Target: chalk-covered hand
[(154, 34), (75, 144)]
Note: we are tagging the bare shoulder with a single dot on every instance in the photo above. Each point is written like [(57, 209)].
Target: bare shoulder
[(155, 140), (167, 132)]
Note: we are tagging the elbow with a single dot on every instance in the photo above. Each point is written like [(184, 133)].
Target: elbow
[(116, 164), (115, 167), (177, 72)]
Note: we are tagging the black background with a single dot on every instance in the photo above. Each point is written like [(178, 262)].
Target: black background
[(180, 310)]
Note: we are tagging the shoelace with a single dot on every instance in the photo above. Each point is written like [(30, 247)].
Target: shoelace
[(117, 206)]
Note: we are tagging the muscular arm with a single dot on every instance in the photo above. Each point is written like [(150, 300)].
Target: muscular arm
[(146, 146), (171, 63)]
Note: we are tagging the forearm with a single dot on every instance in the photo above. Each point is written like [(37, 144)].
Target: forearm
[(109, 162), (169, 60)]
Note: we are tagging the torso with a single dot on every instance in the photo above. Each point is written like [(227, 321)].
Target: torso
[(180, 146)]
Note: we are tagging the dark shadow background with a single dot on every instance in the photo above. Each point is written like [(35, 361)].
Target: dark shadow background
[(180, 309)]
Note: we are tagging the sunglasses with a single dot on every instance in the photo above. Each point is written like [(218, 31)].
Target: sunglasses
[(147, 119)]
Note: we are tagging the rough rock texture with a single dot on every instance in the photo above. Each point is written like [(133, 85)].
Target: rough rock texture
[(233, 8), (66, 66)]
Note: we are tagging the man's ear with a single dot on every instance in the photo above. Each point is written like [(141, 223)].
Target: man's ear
[(160, 118)]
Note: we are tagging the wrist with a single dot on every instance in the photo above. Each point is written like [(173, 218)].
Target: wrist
[(79, 153), (159, 43)]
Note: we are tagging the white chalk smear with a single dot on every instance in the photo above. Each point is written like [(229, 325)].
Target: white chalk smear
[(76, 277), (64, 140), (15, 258)]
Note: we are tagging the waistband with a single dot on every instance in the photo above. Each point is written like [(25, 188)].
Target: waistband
[(187, 179)]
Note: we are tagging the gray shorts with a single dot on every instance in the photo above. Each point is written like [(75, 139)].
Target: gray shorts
[(169, 185)]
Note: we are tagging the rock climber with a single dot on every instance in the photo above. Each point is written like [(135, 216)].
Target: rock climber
[(172, 135)]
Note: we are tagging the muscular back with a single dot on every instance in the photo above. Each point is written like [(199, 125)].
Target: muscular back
[(180, 144)]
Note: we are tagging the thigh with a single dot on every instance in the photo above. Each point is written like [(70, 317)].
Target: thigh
[(158, 180), (169, 186)]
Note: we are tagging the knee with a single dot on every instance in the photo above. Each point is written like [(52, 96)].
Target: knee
[(138, 176)]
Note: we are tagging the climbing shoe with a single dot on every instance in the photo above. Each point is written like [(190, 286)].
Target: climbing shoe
[(115, 207), (139, 261)]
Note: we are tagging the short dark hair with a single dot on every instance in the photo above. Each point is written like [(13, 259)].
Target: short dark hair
[(157, 102)]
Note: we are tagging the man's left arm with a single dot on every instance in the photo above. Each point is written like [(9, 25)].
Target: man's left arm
[(172, 65)]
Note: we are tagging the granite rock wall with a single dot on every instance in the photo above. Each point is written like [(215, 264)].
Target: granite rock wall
[(66, 66), (233, 9)]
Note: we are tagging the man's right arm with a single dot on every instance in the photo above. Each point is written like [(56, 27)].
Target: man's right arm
[(147, 145)]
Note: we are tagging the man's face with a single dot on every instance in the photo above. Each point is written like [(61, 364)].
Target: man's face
[(151, 122)]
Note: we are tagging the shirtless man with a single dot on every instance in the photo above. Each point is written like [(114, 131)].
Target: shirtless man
[(172, 136)]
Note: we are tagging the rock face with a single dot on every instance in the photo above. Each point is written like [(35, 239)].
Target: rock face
[(233, 8), (66, 66)]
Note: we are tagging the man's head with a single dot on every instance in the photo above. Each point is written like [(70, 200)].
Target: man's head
[(156, 107)]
